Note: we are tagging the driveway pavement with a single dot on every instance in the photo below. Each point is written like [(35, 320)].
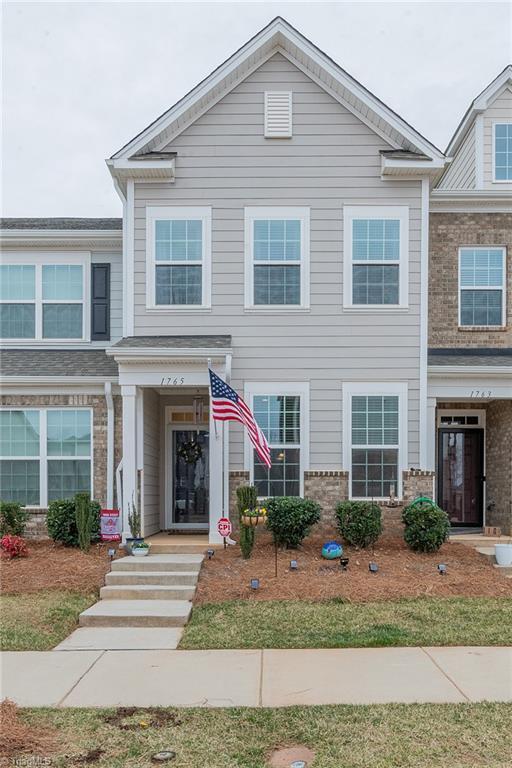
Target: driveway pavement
[(259, 678)]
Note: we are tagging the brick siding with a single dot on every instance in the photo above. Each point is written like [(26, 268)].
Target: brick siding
[(499, 465), (328, 488), (448, 232)]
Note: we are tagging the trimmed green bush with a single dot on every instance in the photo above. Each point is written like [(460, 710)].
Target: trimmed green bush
[(359, 522), (61, 521), (13, 518), (290, 519), (426, 526)]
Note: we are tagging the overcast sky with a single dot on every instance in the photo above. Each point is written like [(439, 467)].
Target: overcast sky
[(81, 79)]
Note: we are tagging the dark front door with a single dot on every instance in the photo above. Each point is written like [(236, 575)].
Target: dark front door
[(460, 475), (191, 480)]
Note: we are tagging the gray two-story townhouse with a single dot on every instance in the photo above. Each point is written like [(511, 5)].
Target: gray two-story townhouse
[(470, 315), (276, 229)]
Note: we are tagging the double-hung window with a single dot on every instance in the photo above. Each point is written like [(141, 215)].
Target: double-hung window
[(40, 300), (281, 412), (502, 151), (178, 257), (481, 287), (375, 256), (375, 437), (277, 258), (45, 454)]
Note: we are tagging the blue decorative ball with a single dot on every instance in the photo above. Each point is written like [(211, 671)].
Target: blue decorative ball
[(331, 550)]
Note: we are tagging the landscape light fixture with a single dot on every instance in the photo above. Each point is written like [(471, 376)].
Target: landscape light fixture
[(344, 563), (111, 553), (210, 553), (298, 764), (255, 583), (294, 566), (442, 569), (373, 567)]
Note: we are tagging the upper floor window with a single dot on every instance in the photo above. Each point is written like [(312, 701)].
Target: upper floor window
[(277, 258), (41, 301), (178, 257), (503, 152), (375, 257), (481, 286)]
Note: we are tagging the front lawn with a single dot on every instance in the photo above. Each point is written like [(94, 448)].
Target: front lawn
[(38, 621), (385, 736), (336, 624)]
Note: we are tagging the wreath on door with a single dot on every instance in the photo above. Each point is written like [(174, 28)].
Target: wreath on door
[(190, 452)]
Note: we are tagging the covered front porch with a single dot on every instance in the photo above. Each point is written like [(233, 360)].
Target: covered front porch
[(175, 457)]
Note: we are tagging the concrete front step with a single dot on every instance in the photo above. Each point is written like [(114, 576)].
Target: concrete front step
[(121, 639), (136, 613), (158, 563), (179, 549), (167, 578), (147, 592)]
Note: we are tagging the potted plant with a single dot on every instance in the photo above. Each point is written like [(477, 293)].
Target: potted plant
[(140, 548), (253, 517), (503, 553), (135, 528)]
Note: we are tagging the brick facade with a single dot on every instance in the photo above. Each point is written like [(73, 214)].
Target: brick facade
[(328, 488), (499, 465), (418, 482), (448, 232), (36, 525)]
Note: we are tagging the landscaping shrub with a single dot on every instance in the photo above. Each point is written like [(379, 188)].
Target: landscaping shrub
[(290, 519), (84, 518), (61, 521), (13, 518), (359, 522), (246, 498), (426, 526), (13, 546)]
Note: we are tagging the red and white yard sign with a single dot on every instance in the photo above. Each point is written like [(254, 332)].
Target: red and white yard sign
[(224, 527), (110, 525)]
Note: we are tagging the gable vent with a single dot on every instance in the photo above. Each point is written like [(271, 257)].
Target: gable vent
[(278, 114)]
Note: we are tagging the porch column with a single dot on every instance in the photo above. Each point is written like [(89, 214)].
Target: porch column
[(431, 434), (216, 483), (129, 394)]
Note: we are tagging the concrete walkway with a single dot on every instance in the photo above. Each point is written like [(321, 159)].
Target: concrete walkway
[(259, 678)]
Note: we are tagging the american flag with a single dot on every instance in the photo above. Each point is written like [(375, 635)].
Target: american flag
[(228, 406)]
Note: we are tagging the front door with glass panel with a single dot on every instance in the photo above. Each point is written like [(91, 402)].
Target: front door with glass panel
[(190, 478), (460, 475)]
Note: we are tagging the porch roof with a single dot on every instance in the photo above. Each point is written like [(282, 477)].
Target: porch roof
[(174, 342), (471, 357), (49, 363)]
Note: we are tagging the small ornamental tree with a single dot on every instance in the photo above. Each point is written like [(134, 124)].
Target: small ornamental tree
[(359, 522), (426, 526)]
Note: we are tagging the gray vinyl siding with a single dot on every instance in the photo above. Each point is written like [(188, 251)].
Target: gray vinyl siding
[(460, 174), (333, 159), (499, 111), (151, 476), (116, 294)]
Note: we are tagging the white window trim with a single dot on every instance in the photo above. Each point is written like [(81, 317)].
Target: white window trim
[(400, 212), (50, 258), (43, 457), (399, 389), (503, 287), (256, 213), (493, 157), (203, 213), (301, 388)]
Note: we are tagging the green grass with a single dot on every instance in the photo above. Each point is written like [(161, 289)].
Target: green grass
[(384, 736), (335, 624), (38, 621)]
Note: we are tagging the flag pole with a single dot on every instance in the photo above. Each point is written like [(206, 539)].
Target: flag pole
[(210, 388)]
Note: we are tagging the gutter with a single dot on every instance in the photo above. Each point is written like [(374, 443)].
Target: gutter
[(110, 444)]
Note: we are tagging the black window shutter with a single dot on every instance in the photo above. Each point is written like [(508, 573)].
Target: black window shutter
[(100, 302)]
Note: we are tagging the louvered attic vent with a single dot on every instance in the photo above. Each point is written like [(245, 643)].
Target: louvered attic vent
[(278, 114)]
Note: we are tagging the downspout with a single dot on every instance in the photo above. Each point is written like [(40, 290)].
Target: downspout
[(123, 198), (110, 445)]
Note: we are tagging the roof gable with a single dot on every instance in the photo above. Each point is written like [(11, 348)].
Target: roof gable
[(279, 37)]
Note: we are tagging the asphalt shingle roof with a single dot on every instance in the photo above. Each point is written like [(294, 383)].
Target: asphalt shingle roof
[(175, 342), (62, 223), (57, 362), (470, 357)]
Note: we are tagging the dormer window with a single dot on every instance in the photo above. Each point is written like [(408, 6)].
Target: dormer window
[(503, 152)]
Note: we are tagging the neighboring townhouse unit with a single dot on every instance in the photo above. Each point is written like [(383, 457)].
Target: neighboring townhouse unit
[(470, 315), (275, 227)]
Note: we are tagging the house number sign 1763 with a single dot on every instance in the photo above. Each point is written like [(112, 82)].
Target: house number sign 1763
[(173, 381), (481, 393)]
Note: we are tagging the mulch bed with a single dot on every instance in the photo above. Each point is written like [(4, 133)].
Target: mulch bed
[(402, 573), (53, 566), (18, 738)]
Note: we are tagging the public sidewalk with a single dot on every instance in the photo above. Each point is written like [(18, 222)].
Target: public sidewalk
[(259, 678)]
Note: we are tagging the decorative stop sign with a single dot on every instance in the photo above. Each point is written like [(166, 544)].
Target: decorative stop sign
[(224, 527)]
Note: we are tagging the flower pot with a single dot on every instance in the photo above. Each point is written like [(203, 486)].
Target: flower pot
[(128, 546), (140, 551), (251, 520), (503, 553)]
